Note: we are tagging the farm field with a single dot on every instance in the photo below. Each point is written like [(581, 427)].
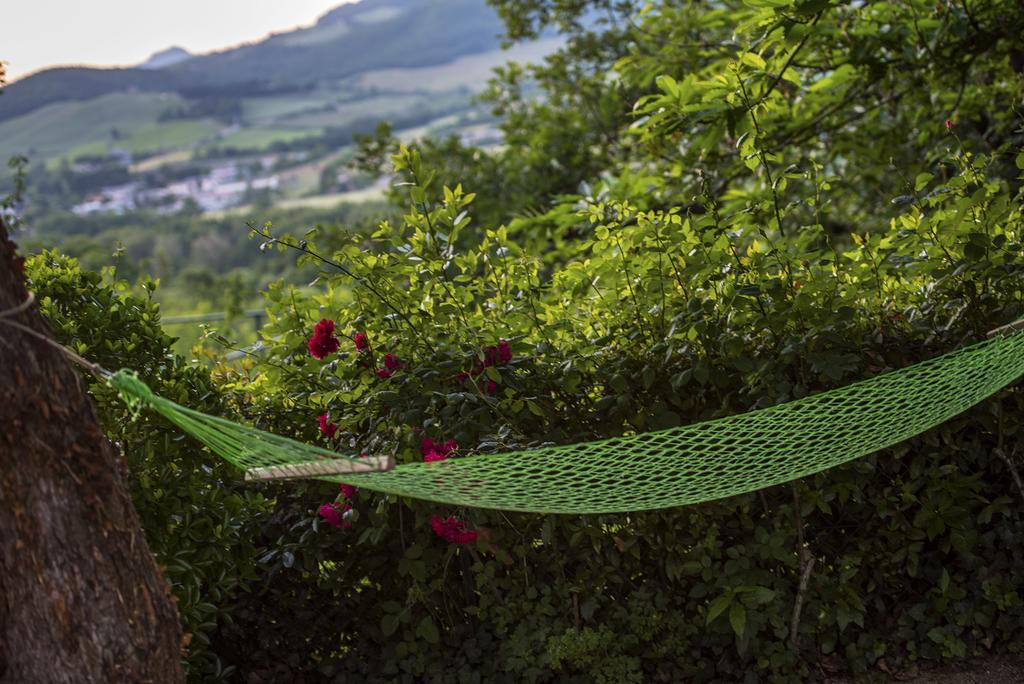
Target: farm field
[(57, 130)]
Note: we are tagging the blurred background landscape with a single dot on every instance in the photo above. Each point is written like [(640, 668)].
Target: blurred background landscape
[(157, 168)]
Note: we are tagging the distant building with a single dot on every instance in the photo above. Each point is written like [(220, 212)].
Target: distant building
[(221, 187), (116, 199)]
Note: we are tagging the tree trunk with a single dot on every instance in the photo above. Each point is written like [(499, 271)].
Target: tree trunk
[(81, 597)]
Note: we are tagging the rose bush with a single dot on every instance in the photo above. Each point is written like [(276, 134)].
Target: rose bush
[(649, 319)]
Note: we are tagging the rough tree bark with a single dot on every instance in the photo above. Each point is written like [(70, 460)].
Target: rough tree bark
[(81, 597)]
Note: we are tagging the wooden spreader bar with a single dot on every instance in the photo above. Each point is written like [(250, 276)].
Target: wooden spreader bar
[(333, 466), (1006, 329)]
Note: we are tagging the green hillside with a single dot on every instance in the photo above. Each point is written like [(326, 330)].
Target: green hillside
[(309, 89), (372, 34), (354, 38), (58, 129)]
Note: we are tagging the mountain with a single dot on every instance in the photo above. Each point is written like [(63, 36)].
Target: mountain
[(353, 38), (166, 58), (282, 111)]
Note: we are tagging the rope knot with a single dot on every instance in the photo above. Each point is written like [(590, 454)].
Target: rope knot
[(133, 391)]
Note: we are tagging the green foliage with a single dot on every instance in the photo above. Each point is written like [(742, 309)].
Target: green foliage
[(202, 264), (648, 319), (679, 101), (199, 522)]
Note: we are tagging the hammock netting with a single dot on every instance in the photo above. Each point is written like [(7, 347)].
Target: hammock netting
[(674, 467)]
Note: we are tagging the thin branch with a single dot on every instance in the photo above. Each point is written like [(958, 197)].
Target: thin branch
[(778, 79), (806, 567)]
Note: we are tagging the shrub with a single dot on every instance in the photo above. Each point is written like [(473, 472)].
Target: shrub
[(651, 319)]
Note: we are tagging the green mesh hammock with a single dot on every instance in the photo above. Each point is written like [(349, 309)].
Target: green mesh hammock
[(674, 467)]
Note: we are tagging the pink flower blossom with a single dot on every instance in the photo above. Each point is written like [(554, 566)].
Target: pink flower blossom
[(331, 514), (949, 124), (452, 530), (362, 341), (323, 342), (502, 353), (326, 427), (384, 373), (432, 451), (334, 514), (392, 363), (492, 387), (348, 490)]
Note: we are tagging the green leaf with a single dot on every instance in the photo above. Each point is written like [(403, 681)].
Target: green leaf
[(750, 290), (619, 384), (718, 606), (974, 251), (753, 60), (389, 624), (738, 618), (427, 630)]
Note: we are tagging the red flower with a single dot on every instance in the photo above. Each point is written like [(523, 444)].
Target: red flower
[(362, 341), (323, 342), (384, 373), (492, 387), (452, 530), (334, 514), (949, 124), (492, 356), (326, 427), (348, 490), (502, 353), (331, 514), (392, 363), (433, 451)]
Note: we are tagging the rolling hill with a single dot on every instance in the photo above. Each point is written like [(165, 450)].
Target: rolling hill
[(281, 112), (409, 61), (349, 40)]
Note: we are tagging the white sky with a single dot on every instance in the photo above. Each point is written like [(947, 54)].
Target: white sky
[(39, 33)]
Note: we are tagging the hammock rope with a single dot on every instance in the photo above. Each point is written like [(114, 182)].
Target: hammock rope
[(675, 467), (262, 455)]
